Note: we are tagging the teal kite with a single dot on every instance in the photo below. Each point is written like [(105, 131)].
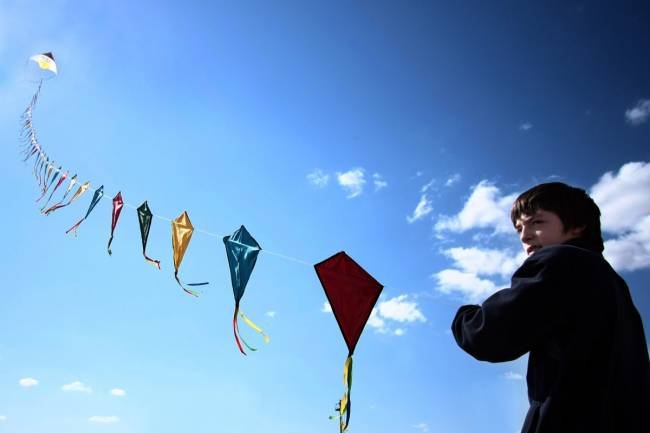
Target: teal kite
[(242, 251)]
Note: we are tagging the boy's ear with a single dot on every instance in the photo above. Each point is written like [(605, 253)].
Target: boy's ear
[(577, 231)]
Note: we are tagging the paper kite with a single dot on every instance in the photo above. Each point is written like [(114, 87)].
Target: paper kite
[(242, 250), (182, 230), (145, 216), (352, 293), (45, 62), (117, 209), (99, 193)]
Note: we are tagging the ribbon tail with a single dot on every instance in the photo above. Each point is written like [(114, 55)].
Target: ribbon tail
[(73, 229), (151, 261), (345, 403), (108, 248), (186, 290), (255, 327), (236, 330)]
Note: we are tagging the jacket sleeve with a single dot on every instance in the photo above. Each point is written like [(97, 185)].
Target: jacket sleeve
[(513, 321)]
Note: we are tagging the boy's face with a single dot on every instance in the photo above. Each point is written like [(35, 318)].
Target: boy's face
[(542, 229)]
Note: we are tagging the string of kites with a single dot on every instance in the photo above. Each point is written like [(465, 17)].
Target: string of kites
[(351, 291)]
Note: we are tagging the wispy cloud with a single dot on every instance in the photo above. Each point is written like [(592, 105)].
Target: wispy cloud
[(423, 427), (28, 382), (526, 126), (486, 207), (318, 178), (103, 419), (271, 314), (511, 375), (77, 386), (427, 186), (326, 308), (352, 181), (422, 209), (3, 418), (379, 182), (638, 114), (118, 392), (625, 208), (453, 179)]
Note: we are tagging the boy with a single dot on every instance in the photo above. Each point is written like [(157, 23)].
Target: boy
[(588, 368)]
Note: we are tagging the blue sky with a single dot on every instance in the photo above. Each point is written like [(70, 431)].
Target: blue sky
[(399, 132)]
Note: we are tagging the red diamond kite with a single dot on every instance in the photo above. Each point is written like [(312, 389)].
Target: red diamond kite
[(352, 293)]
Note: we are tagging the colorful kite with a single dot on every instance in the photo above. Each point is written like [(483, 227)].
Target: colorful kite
[(46, 65), (99, 193), (242, 250), (80, 191), (145, 217), (352, 293), (62, 179), (117, 209), (182, 230)]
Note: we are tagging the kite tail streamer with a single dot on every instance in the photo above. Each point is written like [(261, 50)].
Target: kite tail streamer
[(235, 329), (345, 404), (73, 229), (194, 293), (255, 327), (151, 261)]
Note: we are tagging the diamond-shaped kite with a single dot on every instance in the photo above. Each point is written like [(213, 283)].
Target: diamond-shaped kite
[(242, 251), (352, 293)]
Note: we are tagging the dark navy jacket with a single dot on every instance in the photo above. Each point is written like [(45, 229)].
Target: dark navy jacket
[(588, 368)]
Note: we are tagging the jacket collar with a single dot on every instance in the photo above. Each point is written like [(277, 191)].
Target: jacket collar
[(584, 243)]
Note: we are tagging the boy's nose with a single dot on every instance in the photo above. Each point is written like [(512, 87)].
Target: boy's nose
[(526, 234)]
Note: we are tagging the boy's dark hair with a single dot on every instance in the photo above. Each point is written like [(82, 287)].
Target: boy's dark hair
[(573, 205)]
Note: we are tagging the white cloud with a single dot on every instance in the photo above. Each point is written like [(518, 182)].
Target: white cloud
[(377, 322), (623, 197), (3, 418), (623, 201), (631, 251), (77, 386), (468, 285), (28, 382), (352, 181), (511, 375), (118, 392), (486, 207), (455, 178), (639, 113), (401, 310), (379, 181), (318, 178), (326, 308), (103, 419), (422, 209), (423, 427), (526, 126), (271, 314), (398, 309), (486, 261)]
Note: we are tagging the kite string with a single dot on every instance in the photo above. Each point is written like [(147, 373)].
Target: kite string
[(107, 196), (214, 235)]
